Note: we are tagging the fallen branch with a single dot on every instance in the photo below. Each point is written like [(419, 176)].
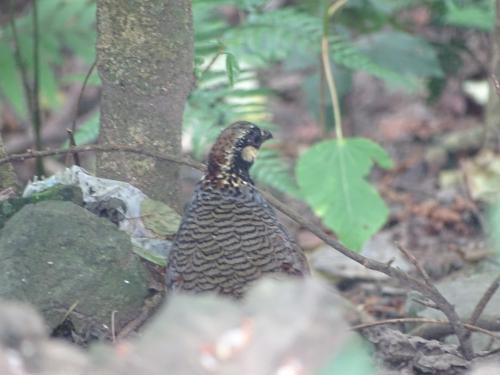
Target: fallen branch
[(471, 327), (442, 304), (424, 287)]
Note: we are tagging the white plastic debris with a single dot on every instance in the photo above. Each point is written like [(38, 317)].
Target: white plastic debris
[(94, 189)]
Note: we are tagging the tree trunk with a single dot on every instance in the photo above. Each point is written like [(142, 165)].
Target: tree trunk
[(7, 175), (493, 108), (144, 58)]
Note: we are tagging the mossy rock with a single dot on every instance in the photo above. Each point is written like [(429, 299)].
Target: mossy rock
[(57, 193), (57, 254)]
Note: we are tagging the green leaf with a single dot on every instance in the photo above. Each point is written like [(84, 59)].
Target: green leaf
[(232, 68), (11, 86), (472, 16), (345, 54), (49, 89), (332, 179), (266, 37), (272, 169), (150, 256), (159, 218), (352, 359), (402, 53)]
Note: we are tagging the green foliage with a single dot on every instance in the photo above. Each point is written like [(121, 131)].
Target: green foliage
[(273, 170), (402, 54), (64, 25), (228, 89), (232, 68), (266, 37), (345, 54), (263, 38), (366, 35), (353, 359), (332, 178), (479, 14)]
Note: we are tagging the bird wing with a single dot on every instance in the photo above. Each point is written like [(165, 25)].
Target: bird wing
[(225, 241)]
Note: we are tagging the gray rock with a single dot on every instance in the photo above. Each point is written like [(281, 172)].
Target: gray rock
[(282, 327), (26, 349), (56, 254), (463, 292)]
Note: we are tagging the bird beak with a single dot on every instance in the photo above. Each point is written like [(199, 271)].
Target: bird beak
[(266, 134)]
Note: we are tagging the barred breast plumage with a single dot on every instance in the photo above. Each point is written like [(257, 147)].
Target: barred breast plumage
[(229, 235)]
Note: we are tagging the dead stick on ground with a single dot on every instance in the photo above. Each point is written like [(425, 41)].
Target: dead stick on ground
[(402, 277), (469, 326)]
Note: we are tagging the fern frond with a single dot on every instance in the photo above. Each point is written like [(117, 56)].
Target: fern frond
[(345, 54), (273, 170), (273, 36)]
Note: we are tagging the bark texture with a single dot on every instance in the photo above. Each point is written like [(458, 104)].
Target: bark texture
[(144, 58), (7, 175), (493, 108)]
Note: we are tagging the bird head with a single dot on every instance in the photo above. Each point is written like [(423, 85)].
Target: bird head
[(234, 152)]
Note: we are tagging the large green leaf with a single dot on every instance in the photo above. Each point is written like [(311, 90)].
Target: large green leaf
[(332, 178)]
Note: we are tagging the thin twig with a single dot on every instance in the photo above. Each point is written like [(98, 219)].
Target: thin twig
[(70, 310), (428, 304), (19, 61), (80, 95), (151, 304), (478, 310), (72, 143), (322, 97), (442, 303), (327, 69), (469, 326), (212, 61), (415, 262), (104, 148), (37, 117)]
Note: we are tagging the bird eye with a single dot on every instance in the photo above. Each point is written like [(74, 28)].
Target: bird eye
[(256, 138)]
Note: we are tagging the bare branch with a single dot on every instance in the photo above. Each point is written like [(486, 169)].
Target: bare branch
[(478, 310), (104, 148)]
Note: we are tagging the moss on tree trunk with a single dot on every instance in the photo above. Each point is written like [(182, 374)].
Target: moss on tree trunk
[(7, 175), (144, 58)]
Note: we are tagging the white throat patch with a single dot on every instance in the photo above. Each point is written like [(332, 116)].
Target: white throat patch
[(249, 153)]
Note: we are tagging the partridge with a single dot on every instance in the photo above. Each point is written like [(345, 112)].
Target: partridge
[(229, 235)]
